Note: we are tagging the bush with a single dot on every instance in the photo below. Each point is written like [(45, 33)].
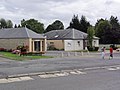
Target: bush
[(52, 48), (96, 48), (92, 48), (114, 46), (2, 49)]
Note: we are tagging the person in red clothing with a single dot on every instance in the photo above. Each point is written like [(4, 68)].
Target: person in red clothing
[(111, 52)]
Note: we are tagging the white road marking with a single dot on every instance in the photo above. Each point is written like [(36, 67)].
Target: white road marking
[(62, 74), (47, 76), (77, 72), (117, 67), (25, 78), (3, 81), (54, 75), (81, 72), (113, 68), (13, 80), (10, 80)]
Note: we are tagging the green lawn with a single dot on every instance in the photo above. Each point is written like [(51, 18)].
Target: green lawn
[(11, 56)]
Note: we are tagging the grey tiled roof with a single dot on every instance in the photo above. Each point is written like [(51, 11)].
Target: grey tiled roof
[(65, 34), (19, 33)]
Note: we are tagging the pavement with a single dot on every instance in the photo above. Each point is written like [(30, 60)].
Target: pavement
[(10, 68)]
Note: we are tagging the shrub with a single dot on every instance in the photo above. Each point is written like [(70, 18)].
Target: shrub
[(52, 48), (2, 49), (114, 47), (92, 48), (96, 48)]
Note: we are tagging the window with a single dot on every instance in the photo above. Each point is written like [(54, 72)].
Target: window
[(51, 43), (94, 43), (69, 44), (78, 43), (56, 36)]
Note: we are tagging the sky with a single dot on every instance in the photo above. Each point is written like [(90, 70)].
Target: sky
[(47, 11)]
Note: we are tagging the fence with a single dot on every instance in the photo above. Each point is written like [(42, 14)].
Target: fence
[(65, 54), (108, 45)]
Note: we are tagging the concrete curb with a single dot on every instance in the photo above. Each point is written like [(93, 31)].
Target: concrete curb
[(32, 74)]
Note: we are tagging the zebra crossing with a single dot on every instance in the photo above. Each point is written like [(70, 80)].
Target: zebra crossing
[(47, 75)]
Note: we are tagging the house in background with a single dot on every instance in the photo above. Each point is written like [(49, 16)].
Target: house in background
[(11, 38), (68, 40)]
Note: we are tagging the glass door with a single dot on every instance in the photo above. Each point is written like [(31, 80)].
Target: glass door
[(36, 45)]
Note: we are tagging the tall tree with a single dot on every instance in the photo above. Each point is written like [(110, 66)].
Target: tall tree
[(75, 23), (49, 28), (91, 33), (9, 24), (19, 26), (115, 30), (3, 23), (81, 24), (57, 25), (33, 24), (114, 22), (103, 30), (84, 24), (15, 26)]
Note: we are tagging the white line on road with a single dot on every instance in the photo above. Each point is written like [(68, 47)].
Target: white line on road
[(10, 80), (25, 78), (54, 75), (47, 76), (113, 68), (77, 72), (61, 74)]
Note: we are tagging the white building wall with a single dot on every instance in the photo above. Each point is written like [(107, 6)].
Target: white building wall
[(71, 45), (95, 43)]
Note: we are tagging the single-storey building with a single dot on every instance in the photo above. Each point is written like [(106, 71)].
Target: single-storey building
[(11, 38), (68, 40)]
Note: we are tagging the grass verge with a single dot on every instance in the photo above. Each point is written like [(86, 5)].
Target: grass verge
[(11, 56)]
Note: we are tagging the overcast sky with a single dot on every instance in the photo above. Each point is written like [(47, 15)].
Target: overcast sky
[(47, 11)]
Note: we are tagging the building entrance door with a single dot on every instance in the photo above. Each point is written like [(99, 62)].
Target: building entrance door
[(37, 46)]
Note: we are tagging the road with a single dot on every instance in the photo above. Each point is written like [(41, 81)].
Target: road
[(107, 78), (67, 73), (11, 67)]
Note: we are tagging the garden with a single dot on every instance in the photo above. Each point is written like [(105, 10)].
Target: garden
[(14, 55)]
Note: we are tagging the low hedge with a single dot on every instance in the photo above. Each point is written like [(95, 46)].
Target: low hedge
[(92, 48)]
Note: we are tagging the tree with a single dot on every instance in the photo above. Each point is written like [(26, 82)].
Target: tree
[(3, 23), (84, 24), (19, 26), (115, 38), (75, 23), (49, 28), (9, 24), (57, 25), (33, 24), (15, 26), (103, 30), (91, 33), (96, 25), (114, 22), (23, 23), (81, 24)]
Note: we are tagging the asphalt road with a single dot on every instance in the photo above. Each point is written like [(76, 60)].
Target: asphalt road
[(107, 78), (87, 72)]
